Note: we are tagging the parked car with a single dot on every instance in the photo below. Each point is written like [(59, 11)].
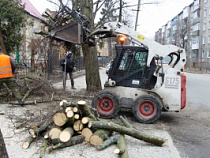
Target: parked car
[(109, 66)]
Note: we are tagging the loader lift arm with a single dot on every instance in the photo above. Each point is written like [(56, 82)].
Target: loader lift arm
[(111, 29)]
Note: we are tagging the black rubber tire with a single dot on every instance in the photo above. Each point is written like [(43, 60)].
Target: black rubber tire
[(107, 104), (147, 109)]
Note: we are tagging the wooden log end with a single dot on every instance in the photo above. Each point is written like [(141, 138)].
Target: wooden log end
[(75, 109), (65, 136), (67, 109), (59, 119), (76, 116), (81, 102), (70, 114), (54, 133), (78, 126), (84, 120), (46, 136), (25, 145), (87, 133), (95, 140), (62, 102)]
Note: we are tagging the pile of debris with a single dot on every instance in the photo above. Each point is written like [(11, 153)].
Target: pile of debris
[(75, 123), (29, 87)]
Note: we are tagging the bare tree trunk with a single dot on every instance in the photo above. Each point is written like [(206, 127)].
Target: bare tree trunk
[(3, 49), (93, 80)]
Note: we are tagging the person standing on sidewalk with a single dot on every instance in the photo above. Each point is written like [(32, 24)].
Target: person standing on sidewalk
[(68, 65), (7, 70)]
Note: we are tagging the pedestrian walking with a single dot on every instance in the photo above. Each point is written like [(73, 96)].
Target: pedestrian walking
[(68, 66), (7, 70)]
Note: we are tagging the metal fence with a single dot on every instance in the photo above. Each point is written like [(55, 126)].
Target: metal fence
[(51, 68)]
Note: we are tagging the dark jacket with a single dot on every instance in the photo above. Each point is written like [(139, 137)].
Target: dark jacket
[(70, 64)]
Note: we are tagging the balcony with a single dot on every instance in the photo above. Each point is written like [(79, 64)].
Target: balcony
[(195, 21), (196, 33)]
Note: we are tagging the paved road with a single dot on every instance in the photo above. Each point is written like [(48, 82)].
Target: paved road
[(190, 129)]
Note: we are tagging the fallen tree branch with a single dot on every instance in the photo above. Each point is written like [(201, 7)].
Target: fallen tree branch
[(73, 141), (111, 140), (128, 131), (121, 147)]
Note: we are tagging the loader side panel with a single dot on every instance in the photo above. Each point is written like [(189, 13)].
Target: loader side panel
[(183, 91)]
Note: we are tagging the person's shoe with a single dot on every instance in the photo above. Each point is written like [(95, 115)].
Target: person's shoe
[(21, 102), (73, 88)]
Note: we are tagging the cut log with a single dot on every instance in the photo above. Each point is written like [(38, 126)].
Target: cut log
[(70, 113), (73, 141), (68, 108), (78, 126), (86, 120), (121, 147), (128, 131), (32, 133), (77, 116), (66, 104), (99, 136), (46, 136), (54, 133), (62, 102), (87, 133), (75, 110), (59, 119), (66, 134), (85, 109), (3, 151), (28, 142), (111, 140)]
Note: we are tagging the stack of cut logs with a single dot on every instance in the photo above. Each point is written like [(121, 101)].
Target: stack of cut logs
[(76, 123)]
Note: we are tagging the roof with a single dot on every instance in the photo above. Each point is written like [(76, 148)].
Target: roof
[(31, 9)]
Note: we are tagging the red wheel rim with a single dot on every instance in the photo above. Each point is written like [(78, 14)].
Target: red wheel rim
[(105, 105), (147, 110)]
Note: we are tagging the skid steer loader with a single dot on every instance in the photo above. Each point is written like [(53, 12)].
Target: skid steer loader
[(139, 80)]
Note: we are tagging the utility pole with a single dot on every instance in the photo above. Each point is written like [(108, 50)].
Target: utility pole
[(137, 14), (120, 11)]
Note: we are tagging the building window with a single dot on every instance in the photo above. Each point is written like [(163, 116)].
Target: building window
[(203, 54), (203, 40), (205, 13), (208, 39), (208, 54), (204, 26)]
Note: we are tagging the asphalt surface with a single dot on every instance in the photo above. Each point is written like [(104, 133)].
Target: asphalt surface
[(15, 137)]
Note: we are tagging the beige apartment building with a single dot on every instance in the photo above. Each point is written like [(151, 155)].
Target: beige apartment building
[(190, 29)]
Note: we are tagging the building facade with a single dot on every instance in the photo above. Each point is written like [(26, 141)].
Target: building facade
[(190, 29)]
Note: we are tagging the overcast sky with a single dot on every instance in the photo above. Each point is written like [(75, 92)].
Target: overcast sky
[(151, 16)]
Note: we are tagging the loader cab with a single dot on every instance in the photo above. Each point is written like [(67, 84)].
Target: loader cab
[(130, 69)]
